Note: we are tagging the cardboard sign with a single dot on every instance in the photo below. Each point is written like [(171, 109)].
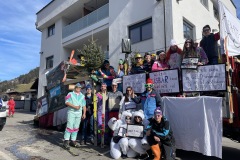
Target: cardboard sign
[(135, 130), (166, 81), (122, 131), (136, 81), (42, 106), (205, 78), (190, 63)]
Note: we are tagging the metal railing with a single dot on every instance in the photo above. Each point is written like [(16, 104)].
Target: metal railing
[(88, 20)]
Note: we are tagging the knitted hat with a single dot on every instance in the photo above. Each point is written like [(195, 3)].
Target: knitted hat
[(149, 81), (158, 111), (120, 61), (88, 86), (78, 85), (173, 43), (139, 113)]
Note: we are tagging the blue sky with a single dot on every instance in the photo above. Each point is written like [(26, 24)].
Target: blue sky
[(19, 39)]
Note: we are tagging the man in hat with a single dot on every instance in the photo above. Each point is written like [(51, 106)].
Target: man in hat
[(159, 131), (76, 105), (209, 44), (137, 67), (150, 99), (114, 99), (11, 104), (88, 121)]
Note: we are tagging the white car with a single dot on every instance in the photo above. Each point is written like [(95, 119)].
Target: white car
[(3, 114)]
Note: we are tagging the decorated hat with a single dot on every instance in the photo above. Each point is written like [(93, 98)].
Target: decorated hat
[(158, 111), (138, 55), (149, 81), (139, 113), (120, 61), (78, 85)]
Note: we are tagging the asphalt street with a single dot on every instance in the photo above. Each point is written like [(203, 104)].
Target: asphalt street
[(20, 140)]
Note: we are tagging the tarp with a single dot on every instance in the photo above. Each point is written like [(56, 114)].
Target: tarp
[(229, 30), (196, 123)]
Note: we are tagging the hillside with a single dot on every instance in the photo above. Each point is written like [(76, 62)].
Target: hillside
[(22, 79)]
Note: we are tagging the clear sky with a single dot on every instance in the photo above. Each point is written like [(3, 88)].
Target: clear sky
[(19, 39)]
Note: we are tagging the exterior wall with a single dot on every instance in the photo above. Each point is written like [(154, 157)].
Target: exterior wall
[(125, 13), (198, 16)]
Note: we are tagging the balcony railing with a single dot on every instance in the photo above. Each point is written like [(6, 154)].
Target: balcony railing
[(88, 20)]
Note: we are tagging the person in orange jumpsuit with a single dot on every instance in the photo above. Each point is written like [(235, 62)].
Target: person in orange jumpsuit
[(11, 104)]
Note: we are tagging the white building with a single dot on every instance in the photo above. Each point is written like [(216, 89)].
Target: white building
[(68, 24)]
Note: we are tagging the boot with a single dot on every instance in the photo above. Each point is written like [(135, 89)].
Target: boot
[(66, 144), (156, 151)]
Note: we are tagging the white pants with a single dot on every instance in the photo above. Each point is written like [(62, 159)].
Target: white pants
[(116, 149), (136, 145)]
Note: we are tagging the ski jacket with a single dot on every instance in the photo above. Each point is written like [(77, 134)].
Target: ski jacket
[(76, 100), (149, 102)]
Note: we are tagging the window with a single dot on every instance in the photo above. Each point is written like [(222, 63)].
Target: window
[(204, 2), (141, 31), (187, 30), (49, 62), (51, 30), (215, 12)]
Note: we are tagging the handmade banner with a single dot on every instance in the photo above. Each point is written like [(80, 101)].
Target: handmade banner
[(136, 81), (190, 63), (206, 78), (42, 106), (135, 130), (229, 31), (122, 131), (166, 81)]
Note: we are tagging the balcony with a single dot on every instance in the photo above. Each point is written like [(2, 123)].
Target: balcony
[(88, 20)]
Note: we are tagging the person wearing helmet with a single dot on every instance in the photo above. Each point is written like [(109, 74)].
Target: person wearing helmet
[(138, 66)]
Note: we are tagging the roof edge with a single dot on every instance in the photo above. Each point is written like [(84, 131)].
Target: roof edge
[(45, 6)]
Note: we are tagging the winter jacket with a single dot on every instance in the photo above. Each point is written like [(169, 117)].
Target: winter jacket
[(209, 45), (148, 65), (89, 105), (149, 102)]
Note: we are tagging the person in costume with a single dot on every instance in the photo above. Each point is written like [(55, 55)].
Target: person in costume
[(159, 133), (150, 99), (119, 143), (136, 143), (129, 102), (76, 105), (161, 63), (174, 55), (137, 67), (11, 104)]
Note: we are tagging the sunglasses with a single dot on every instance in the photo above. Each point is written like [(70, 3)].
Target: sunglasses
[(148, 85), (137, 117)]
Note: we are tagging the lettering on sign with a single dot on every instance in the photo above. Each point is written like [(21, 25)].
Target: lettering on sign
[(166, 81), (136, 81), (205, 78), (135, 130)]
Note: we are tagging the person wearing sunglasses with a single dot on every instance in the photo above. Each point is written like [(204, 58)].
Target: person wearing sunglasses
[(160, 136), (129, 102), (191, 50), (119, 146), (150, 99), (209, 44), (136, 143)]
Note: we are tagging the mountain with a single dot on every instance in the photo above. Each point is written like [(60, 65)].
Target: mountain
[(22, 79)]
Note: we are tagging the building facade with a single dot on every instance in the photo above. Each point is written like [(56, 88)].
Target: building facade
[(150, 24)]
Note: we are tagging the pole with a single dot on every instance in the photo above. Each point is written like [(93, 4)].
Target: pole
[(164, 23)]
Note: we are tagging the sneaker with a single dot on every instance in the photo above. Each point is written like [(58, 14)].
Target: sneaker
[(124, 156), (143, 157), (66, 144)]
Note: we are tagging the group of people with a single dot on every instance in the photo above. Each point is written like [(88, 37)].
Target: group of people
[(142, 109)]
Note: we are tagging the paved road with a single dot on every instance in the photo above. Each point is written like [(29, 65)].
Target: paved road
[(20, 140)]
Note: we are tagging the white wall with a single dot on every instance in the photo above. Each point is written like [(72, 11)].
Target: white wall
[(196, 14), (125, 13)]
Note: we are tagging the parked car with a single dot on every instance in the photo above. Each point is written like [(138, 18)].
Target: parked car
[(3, 114)]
